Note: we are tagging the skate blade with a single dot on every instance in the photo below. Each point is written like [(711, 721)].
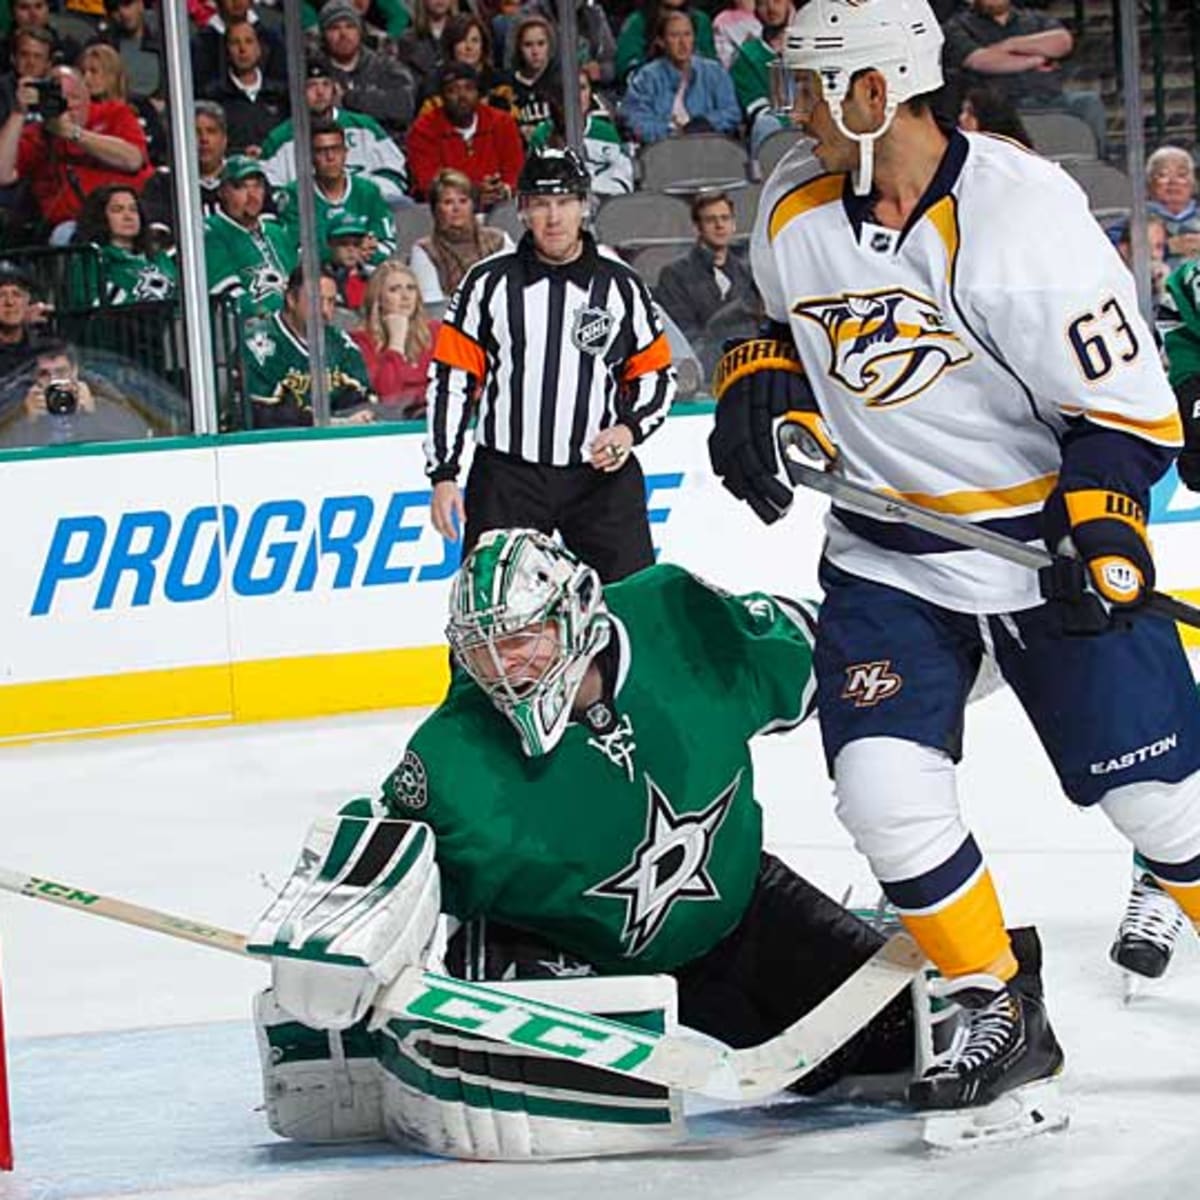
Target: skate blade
[(1022, 1113), (1131, 985)]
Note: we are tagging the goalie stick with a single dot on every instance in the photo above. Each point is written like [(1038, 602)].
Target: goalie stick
[(860, 499), (669, 1060)]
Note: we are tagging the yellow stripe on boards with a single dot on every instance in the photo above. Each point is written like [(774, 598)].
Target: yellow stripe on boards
[(187, 697), (1190, 634)]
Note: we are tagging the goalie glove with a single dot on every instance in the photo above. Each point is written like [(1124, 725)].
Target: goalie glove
[(1107, 530), (758, 383), (361, 905)]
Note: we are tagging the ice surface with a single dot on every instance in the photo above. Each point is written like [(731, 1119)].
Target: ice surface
[(133, 1061)]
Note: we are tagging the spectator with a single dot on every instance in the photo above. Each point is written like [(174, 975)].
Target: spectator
[(1180, 314), (346, 257), (337, 193), (131, 272), (32, 58), (35, 14), (105, 78), (679, 92), (478, 140), (984, 110), (278, 373), (608, 162), (212, 145), (69, 154), (596, 49), (19, 316), (372, 84), (370, 152), (536, 88), (248, 253), (710, 294), (752, 65), (458, 240), (465, 39), (134, 34), (1156, 242), (732, 26), (1171, 188), (638, 38), (57, 370), (396, 340), (420, 48), (1019, 52), (254, 104), (208, 44)]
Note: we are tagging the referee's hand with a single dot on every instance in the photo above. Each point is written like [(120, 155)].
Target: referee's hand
[(447, 510), (611, 447)]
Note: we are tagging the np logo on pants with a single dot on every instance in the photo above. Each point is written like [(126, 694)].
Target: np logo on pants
[(869, 683)]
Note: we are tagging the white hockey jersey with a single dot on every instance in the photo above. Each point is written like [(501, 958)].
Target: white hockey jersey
[(949, 358)]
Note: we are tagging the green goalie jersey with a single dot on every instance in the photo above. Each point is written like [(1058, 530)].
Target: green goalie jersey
[(634, 844)]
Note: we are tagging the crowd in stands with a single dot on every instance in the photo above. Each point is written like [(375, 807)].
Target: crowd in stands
[(421, 106)]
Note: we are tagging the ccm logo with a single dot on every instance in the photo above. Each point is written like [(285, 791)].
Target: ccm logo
[(869, 683)]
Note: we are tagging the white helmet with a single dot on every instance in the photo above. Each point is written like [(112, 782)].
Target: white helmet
[(901, 39), (526, 619)]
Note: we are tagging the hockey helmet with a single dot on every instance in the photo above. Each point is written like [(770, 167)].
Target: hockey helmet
[(550, 171), (526, 619), (901, 39)]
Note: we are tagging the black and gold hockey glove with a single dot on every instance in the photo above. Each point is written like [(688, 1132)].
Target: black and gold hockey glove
[(759, 382)]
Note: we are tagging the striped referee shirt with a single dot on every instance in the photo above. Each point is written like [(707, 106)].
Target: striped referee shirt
[(554, 353)]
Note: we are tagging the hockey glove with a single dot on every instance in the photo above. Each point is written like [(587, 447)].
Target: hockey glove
[(1188, 462), (1107, 529), (758, 383)]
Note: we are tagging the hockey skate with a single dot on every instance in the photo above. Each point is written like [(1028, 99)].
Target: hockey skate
[(997, 1080), (1146, 936)]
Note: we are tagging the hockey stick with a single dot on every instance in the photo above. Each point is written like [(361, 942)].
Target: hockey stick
[(669, 1060), (860, 499)]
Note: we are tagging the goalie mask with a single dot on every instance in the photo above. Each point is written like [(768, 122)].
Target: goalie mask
[(836, 39), (526, 619)]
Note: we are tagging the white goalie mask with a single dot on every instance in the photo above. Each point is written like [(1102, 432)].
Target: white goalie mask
[(526, 619), (901, 39)]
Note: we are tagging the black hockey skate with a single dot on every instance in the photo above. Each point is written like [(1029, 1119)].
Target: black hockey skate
[(1146, 936), (1002, 1047)]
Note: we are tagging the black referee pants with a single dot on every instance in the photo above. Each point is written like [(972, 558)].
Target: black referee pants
[(602, 517)]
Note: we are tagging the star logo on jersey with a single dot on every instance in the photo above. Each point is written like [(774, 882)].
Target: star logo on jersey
[(266, 281), (886, 346), (590, 330), (152, 285), (670, 865), (262, 345), (408, 785)]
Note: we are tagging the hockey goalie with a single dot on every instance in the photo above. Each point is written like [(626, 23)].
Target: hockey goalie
[(582, 807)]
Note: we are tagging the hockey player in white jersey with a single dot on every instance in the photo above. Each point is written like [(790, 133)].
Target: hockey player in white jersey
[(949, 324)]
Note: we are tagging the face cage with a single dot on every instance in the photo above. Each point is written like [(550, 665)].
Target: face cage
[(505, 665)]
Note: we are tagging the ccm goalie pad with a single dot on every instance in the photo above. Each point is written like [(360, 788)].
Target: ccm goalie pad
[(361, 905)]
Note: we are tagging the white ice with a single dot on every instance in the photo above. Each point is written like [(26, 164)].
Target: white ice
[(132, 1059)]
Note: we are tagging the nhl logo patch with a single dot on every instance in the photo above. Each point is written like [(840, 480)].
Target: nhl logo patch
[(407, 785), (591, 330)]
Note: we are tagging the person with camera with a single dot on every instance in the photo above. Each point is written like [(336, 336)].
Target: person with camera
[(57, 390), (66, 145)]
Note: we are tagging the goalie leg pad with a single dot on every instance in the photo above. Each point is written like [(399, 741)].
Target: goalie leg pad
[(462, 1097), (318, 1086)]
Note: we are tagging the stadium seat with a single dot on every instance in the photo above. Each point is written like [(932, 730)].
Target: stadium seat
[(643, 219), (507, 217), (412, 222), (775, 147), (650, 260), (682, 165), (745, 208), (1106, 187), (1060, 135)]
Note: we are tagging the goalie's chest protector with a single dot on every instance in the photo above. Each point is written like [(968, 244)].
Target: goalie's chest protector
[(634, 844)]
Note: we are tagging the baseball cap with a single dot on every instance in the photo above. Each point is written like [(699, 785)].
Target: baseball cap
[(347, 225), (317, 68), (11, 272), (241, 166), (339, 10), (457, 70)]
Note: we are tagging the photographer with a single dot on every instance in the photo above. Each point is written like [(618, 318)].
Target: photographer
[(65, 145), (57, 390)]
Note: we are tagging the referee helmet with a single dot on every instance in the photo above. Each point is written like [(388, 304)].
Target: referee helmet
[(549, 171)]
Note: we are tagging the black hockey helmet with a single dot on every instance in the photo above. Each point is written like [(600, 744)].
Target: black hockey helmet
[(553, 172)]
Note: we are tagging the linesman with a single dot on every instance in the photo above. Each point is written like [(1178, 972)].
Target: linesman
[(560, 345)]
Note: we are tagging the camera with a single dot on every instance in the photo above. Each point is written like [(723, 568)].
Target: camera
[(51, 102), (62, 398)]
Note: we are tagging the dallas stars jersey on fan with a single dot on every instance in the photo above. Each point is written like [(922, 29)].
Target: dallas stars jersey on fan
[(279, 374), (948, 367), (635, 843), (125, 277), (360, 198), (252, 265), (1180, 313)]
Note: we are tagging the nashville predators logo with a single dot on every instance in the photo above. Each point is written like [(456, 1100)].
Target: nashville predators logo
[(869, 683), (886, 346)]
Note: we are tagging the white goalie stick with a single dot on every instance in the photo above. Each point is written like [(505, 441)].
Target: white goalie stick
[(860, 499), (669, 1060)]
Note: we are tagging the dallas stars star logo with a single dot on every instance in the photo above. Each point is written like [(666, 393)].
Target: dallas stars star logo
[(669, 865)]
